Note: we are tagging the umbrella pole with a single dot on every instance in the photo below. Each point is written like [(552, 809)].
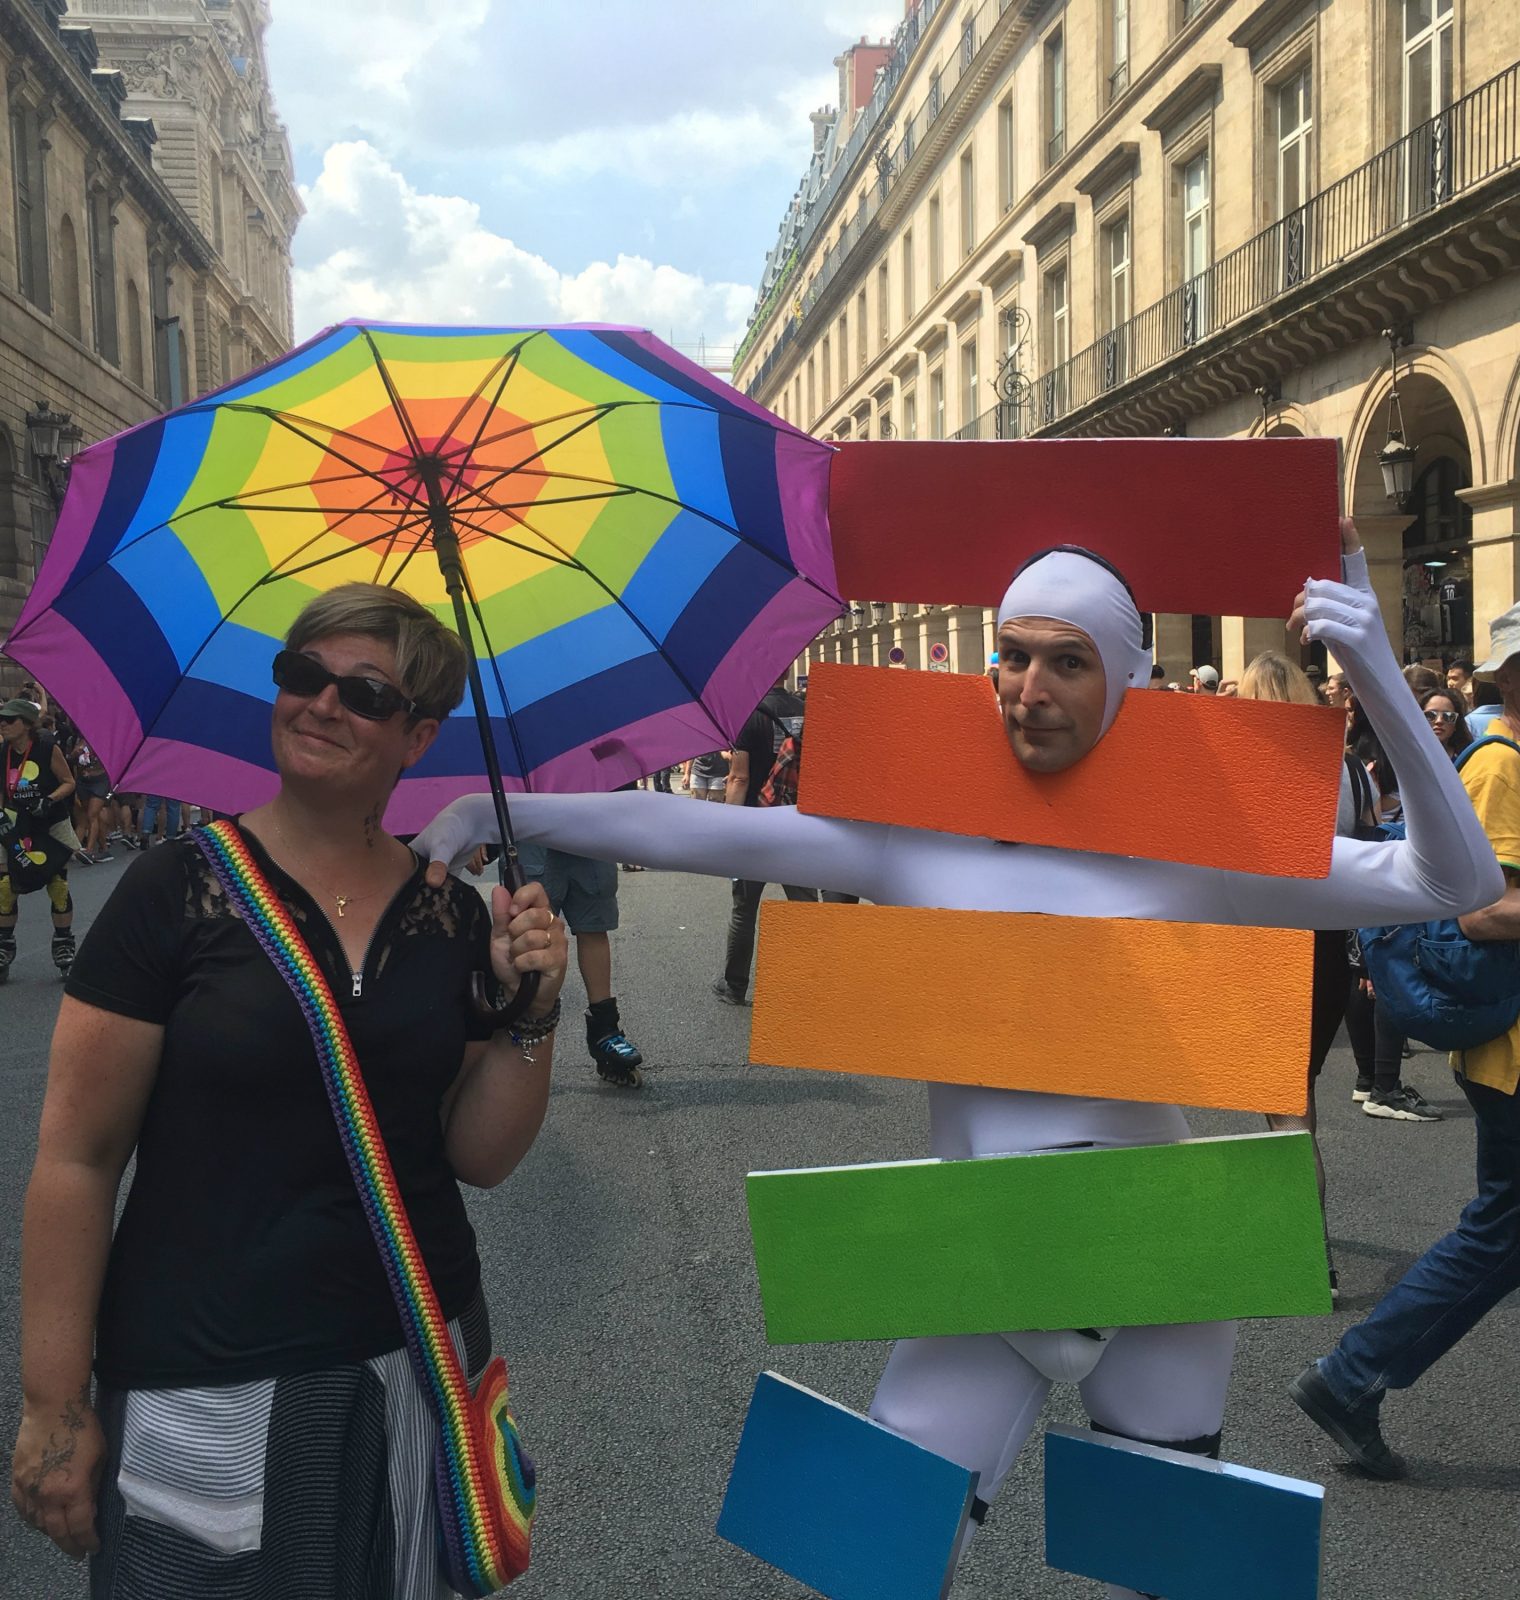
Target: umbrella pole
[(508, 865)]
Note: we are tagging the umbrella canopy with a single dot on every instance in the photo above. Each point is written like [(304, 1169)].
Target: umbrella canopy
[(643, 550)]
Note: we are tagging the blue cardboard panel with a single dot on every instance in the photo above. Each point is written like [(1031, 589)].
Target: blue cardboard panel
[(839, 1502), (1178, 1525)]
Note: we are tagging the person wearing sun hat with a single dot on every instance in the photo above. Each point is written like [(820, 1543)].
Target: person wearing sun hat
[(36, 787), (1464, 1275)]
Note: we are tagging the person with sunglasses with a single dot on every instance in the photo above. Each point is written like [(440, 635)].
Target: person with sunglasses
[(256, 1424), (1446, 712)]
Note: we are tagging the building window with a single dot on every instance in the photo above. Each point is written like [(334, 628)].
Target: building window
[(1116, 299), (883, 305), (936, 245), (936, 99), (167, 335), (968, 204), (1055, 98), (907, 276), (844, 351), (861, 353), (1294, 128), (1429, 86), (66, 303), (827, 364), (136, 369), (910, 414), (218, 221), (1196, 245), (1428, 72), (970, 393), (1115, 306), (797, 415), (1057, 318), (937, 403), (1118, 48), (103, 276), (812, 406), (1006, 150), (31, 207), (1188, 9)]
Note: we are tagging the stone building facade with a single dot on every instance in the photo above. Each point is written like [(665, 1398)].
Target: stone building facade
[(146, 208), (1130, 217)]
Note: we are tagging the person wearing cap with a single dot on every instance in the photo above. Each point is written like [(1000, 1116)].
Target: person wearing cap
[(1071, 643), (1205, 679), (1464, 1275), (36, 788)]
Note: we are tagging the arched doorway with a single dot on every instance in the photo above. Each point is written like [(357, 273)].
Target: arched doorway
[(1438, 596), (1419, 552)]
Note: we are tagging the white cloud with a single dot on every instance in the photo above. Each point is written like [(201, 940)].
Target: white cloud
[(372, 245)]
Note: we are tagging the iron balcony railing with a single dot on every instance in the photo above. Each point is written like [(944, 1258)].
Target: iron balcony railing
[(1460, 147), (890, 160)]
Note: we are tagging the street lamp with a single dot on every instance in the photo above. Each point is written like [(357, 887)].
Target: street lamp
[(878, 611), (52, 438), (857, 615), (1397, 457)]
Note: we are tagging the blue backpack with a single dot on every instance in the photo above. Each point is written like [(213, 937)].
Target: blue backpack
[(1437, 985)]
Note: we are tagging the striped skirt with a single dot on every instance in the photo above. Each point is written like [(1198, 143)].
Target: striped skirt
[(316, 1486)]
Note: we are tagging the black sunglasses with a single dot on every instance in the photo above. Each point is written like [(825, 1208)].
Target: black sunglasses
[(371, 698)]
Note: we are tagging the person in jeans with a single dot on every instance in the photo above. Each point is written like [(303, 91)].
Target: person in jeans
[(754, 753), (150, 810), (1464, 1275)]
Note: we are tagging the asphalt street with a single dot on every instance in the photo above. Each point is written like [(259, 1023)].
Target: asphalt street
[(620, 1280)]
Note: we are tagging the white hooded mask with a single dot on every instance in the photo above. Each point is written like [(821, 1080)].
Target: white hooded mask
[(1064, 587)]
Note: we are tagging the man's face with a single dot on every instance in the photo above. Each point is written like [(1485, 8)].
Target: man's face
[(1335, 689), (14, 730), (1456, 679), (1051, 689)]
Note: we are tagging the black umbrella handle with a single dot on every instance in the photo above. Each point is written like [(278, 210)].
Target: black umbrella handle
[(509, 871), (508, 868)]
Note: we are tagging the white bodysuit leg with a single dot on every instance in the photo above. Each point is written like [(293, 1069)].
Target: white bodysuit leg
[(974, 1399)]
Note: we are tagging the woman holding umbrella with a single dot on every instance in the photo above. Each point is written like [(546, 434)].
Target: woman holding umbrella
[(256, 1424)]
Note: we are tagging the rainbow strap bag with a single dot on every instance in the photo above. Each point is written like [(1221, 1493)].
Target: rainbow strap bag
[(483, 1480)]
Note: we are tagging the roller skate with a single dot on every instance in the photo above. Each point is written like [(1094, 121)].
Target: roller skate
[(63, 952), (7, 954), (617, 1060)]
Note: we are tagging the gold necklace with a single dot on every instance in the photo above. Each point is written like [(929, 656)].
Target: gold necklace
[(342, 900)]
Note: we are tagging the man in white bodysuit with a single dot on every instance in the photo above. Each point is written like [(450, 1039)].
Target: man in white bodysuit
[(1070, 645)]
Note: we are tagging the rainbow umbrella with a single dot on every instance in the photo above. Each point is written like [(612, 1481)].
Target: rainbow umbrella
[(635, 551)]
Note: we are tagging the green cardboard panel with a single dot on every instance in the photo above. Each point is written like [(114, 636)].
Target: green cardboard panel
[(1201, 1231)]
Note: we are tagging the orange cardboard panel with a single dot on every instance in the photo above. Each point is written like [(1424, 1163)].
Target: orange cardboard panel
[(1096, 1006), (1249, 785)]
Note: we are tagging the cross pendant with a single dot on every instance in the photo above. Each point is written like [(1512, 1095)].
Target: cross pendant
[(342, 900)]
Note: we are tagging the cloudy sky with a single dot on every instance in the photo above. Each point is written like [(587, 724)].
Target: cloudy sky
[(586, 160)]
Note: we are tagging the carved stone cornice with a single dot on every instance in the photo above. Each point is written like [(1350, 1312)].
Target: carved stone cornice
[(1260, 24), (1200, 85), (1055, 226), (1119, 163)]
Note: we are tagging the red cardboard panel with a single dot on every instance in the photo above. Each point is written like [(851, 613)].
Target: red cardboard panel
[(1178, 777), (1221, 527)]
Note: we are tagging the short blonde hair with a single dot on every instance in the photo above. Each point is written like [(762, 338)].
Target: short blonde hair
[(431, 664), (1274, 677)]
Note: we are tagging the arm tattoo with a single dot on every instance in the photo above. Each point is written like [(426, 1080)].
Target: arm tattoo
[(59, 1453)]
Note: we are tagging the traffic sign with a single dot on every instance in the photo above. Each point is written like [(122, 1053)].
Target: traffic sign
[(939, 652)]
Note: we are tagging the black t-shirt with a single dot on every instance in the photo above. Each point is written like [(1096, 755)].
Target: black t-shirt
[(777, 715), (243, 1251)]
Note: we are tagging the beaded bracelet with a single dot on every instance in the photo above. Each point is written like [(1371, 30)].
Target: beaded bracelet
[(529, 1031)]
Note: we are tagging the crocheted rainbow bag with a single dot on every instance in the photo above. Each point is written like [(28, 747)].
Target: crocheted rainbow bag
[(483, 1479)]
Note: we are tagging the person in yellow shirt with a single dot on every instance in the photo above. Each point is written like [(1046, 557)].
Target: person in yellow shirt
[(1462, 1277)]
